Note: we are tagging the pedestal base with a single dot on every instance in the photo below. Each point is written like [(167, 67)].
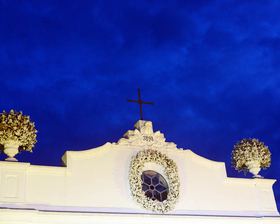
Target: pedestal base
[(257, 176), (11, 159)]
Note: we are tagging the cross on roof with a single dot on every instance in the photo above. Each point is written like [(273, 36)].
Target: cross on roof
[(140, 103)]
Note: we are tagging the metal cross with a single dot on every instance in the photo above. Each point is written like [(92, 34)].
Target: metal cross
[(140, 103)]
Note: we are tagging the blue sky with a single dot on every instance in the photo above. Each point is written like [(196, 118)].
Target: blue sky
[(210, 67)]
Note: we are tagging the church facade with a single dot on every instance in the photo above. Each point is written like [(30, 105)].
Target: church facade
[(141, 178)]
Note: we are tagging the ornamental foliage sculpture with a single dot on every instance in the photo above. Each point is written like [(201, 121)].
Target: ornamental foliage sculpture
[(17, 128), (248, 152), (170, 171)]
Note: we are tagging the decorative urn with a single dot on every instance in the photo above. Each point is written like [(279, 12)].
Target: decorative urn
[(254, 167), (251, 155), (11, 149), (17, 133)]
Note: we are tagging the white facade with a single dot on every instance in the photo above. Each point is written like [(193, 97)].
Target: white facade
[(93, 187)]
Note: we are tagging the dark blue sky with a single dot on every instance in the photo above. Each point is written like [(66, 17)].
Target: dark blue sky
[(210, 67)]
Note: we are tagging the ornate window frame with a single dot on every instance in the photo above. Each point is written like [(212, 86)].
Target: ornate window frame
[(170, 171)]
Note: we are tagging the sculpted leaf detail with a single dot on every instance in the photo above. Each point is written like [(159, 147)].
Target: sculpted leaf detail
[(146, 138)]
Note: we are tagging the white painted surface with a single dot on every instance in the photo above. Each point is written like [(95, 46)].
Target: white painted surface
[(10, 216), (96, 180)]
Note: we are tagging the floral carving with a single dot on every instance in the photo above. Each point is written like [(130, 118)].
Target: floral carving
[(250, 150), (146, 138), (170, 171), (17, 128)]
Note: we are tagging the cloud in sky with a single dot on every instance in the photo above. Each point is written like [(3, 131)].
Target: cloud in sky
[(210, 67)]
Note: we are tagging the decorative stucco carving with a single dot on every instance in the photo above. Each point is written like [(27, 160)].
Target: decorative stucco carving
[(170, 171), (144, 137)]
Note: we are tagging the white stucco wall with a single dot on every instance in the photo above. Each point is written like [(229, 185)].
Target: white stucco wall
[(96, 180), (11, 216)]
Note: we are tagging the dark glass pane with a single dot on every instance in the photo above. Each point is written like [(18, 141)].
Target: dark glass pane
[(146, 179), (164, 195), (163, 181), (157, 195), (160, 188), (150, 173), (145, 187), (154, 185), (155, 179)]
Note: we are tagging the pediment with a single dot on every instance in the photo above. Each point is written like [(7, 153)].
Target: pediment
[(144, 137), (108, 179)]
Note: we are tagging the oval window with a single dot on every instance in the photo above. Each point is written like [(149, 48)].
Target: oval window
[(154, 185)]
